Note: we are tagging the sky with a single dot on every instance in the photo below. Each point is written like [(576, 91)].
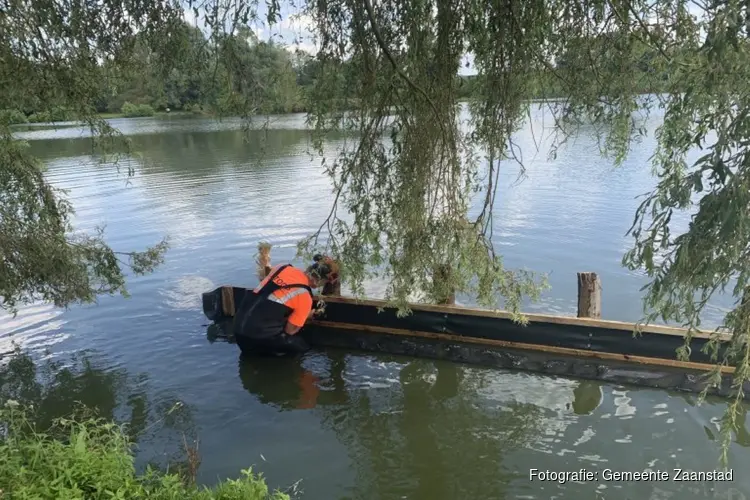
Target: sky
[(295, 31)]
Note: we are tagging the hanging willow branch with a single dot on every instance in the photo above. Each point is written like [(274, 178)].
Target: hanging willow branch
[(417, 192), (407, 197), (61, 57)]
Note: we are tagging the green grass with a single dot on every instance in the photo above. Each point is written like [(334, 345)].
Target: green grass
[(110, 116), (89, 458)]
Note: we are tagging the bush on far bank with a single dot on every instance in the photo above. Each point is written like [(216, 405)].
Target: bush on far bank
[(56, 114), (135, 110), (12, 116), (15, 116)]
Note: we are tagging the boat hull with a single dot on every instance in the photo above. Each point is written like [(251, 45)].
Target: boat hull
[(555, 345)]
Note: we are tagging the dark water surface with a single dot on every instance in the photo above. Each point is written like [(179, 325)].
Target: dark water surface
[(356, 425)]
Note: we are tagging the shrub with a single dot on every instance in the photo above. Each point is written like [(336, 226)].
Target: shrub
[(60, 114), (135, 110), (90, 458), (11, 116), (194, 108), (56, 114), (40, 117)]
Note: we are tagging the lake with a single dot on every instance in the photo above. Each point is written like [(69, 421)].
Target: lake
[(346, 425)]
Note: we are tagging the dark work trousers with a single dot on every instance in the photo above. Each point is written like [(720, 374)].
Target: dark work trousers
[(278, 345)]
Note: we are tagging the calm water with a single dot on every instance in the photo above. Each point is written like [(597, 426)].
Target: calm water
[(344, 424)]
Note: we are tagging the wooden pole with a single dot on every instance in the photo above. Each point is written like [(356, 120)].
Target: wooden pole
[(227, 301), (335, 287), (589, 296), (442, 274), (331, 288), (263, 260)]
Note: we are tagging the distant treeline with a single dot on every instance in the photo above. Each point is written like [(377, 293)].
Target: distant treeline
[(238, 74)]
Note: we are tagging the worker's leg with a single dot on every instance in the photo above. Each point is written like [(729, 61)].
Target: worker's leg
[(278, 345), (248, 345), (292, 343)]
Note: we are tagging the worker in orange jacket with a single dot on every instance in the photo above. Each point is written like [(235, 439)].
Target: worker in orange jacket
[(270, 318)]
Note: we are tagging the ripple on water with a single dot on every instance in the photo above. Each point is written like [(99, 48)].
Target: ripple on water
[(185, 292), (587, 435), (593, 458), (716, 422), (547, 392), (564, 452), (623, 407), (35, 327)]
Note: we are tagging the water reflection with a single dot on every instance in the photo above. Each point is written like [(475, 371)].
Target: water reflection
[(178, 176), (422, 436), (160, 125), (62, 387), (587, 397), (178, 152), (35, 327), (280, 382), (420, 429), (216, 188)]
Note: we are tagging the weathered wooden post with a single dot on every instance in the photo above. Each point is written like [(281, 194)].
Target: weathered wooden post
[(333, 288), (227, 301), (440, 277), (589, 296), (263, 260)]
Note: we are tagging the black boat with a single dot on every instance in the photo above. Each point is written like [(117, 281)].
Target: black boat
[(586, 348)]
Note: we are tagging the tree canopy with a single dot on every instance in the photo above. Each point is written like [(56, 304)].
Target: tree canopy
[(387, 72)]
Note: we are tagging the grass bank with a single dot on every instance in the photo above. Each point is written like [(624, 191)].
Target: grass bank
[(57, 115), (109, 116), (53, 447), (89, 458)]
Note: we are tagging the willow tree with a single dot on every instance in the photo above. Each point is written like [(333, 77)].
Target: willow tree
[(65, 54), (410, 178), (387, 73), (56, 55)]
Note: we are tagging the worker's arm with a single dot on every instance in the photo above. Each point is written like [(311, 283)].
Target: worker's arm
[(291, 329), (302, 311)]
